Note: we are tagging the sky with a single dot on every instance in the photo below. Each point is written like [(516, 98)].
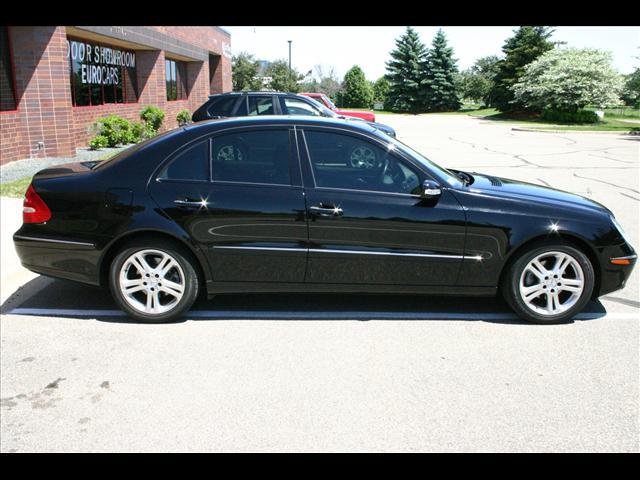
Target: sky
[(369, 47)]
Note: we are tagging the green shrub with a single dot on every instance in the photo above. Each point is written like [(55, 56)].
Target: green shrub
[(183, 117), (152, 118), (115, 129), (98, 142), (136, 133), (579, 116)]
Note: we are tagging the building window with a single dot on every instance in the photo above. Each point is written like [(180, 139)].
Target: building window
[(7, 86), (101, 74), (176, 76)]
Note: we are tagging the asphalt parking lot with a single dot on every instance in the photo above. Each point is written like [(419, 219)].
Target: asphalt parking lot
[(331, 372)]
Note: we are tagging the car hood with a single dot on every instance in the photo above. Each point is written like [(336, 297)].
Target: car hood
[(529, 192)]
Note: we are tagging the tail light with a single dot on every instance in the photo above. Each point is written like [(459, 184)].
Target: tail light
[(34, 210)]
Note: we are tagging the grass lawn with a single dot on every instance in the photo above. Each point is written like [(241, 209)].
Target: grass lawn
[(606, 125), (611, 123), (17, 188), (622, 112)]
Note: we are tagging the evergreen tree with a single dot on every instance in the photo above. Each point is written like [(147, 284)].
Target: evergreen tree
[(527, 44), (441, 72), (357, 90), (405, 73)]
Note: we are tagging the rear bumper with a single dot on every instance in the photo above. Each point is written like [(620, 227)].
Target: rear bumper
[(60, 258)]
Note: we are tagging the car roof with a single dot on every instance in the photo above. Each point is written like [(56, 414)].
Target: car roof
[(222, 123), (263, 92)]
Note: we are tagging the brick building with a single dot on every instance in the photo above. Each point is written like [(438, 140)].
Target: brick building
[(55, 82)]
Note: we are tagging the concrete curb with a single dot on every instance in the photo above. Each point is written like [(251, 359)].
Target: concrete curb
[(518, 129)]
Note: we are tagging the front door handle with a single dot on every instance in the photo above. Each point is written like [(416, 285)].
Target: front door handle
[(326, 210), (190, 203)]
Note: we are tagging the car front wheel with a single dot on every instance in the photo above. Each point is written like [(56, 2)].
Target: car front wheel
[(153, 283), (549, 284)]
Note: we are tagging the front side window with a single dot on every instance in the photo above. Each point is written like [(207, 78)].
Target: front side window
[(351, 163), (7, 91), (191, 164), (101, 74), (176, 79), (299, 107), (261, 105), (251, 157)]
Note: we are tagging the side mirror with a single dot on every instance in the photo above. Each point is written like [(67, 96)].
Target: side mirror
[(430, 189)]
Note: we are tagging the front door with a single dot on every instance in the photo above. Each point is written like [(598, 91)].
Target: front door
[(237, 196), (367, 221)]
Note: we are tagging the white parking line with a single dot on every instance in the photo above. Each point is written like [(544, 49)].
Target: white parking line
[(276, 315)]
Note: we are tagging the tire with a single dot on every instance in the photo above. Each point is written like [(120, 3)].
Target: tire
[(536, 296), (168, 301)]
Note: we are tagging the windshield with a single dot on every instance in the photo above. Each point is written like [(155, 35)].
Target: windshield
[(325, 111), (329, 102), (447, 175)]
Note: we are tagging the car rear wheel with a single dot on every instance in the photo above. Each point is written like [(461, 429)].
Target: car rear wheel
[(549, 284), (153, 283)]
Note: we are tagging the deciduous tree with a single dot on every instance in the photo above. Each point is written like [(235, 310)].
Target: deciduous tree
[(245, 73), (569, 79)]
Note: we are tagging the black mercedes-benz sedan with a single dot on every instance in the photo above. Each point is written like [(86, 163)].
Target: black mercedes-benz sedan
[(242, 104), (303, 204)]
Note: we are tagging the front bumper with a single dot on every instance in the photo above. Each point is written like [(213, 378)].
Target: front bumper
[(614, 274)]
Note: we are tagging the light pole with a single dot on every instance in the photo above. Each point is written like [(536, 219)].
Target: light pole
[(289, 59)]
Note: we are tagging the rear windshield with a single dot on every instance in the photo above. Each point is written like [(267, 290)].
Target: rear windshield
[(131, 150), (222, 106)]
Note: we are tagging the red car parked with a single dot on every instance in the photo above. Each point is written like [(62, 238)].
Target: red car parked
[(322, 98)]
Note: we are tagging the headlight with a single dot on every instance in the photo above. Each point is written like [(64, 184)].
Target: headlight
[(620, 230)]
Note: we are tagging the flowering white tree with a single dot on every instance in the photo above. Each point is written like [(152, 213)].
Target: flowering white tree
[(569, 79)]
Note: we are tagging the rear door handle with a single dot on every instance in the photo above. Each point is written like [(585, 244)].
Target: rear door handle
[(325, 211)]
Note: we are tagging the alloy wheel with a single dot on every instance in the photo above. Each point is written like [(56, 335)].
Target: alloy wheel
[(362, 157), (151, 281), (551, 283)]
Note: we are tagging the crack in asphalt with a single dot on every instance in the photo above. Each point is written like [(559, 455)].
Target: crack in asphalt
[(526, 162), (608, 158), (629, 196), (606, 183)]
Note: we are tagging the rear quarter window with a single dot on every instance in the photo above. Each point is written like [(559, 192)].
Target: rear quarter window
[(191, 164), (222, 106)]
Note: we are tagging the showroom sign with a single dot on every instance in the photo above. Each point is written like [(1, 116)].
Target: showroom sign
[(99, 64)]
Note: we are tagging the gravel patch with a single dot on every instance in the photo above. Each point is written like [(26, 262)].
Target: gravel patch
[(30, 166)]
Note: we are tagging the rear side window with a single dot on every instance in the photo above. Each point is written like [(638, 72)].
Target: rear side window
[(251, 157), (261, 106), (191, 164), (222, 106)]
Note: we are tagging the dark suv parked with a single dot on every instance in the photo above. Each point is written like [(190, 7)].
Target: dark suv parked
[(242, 104)]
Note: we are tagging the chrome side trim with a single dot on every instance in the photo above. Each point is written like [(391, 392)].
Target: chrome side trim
[(628, 257), (51, 240), (352, 252), (283, 249), (369, 252)]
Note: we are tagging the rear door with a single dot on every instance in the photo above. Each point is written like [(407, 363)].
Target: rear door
[(239, 196)]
